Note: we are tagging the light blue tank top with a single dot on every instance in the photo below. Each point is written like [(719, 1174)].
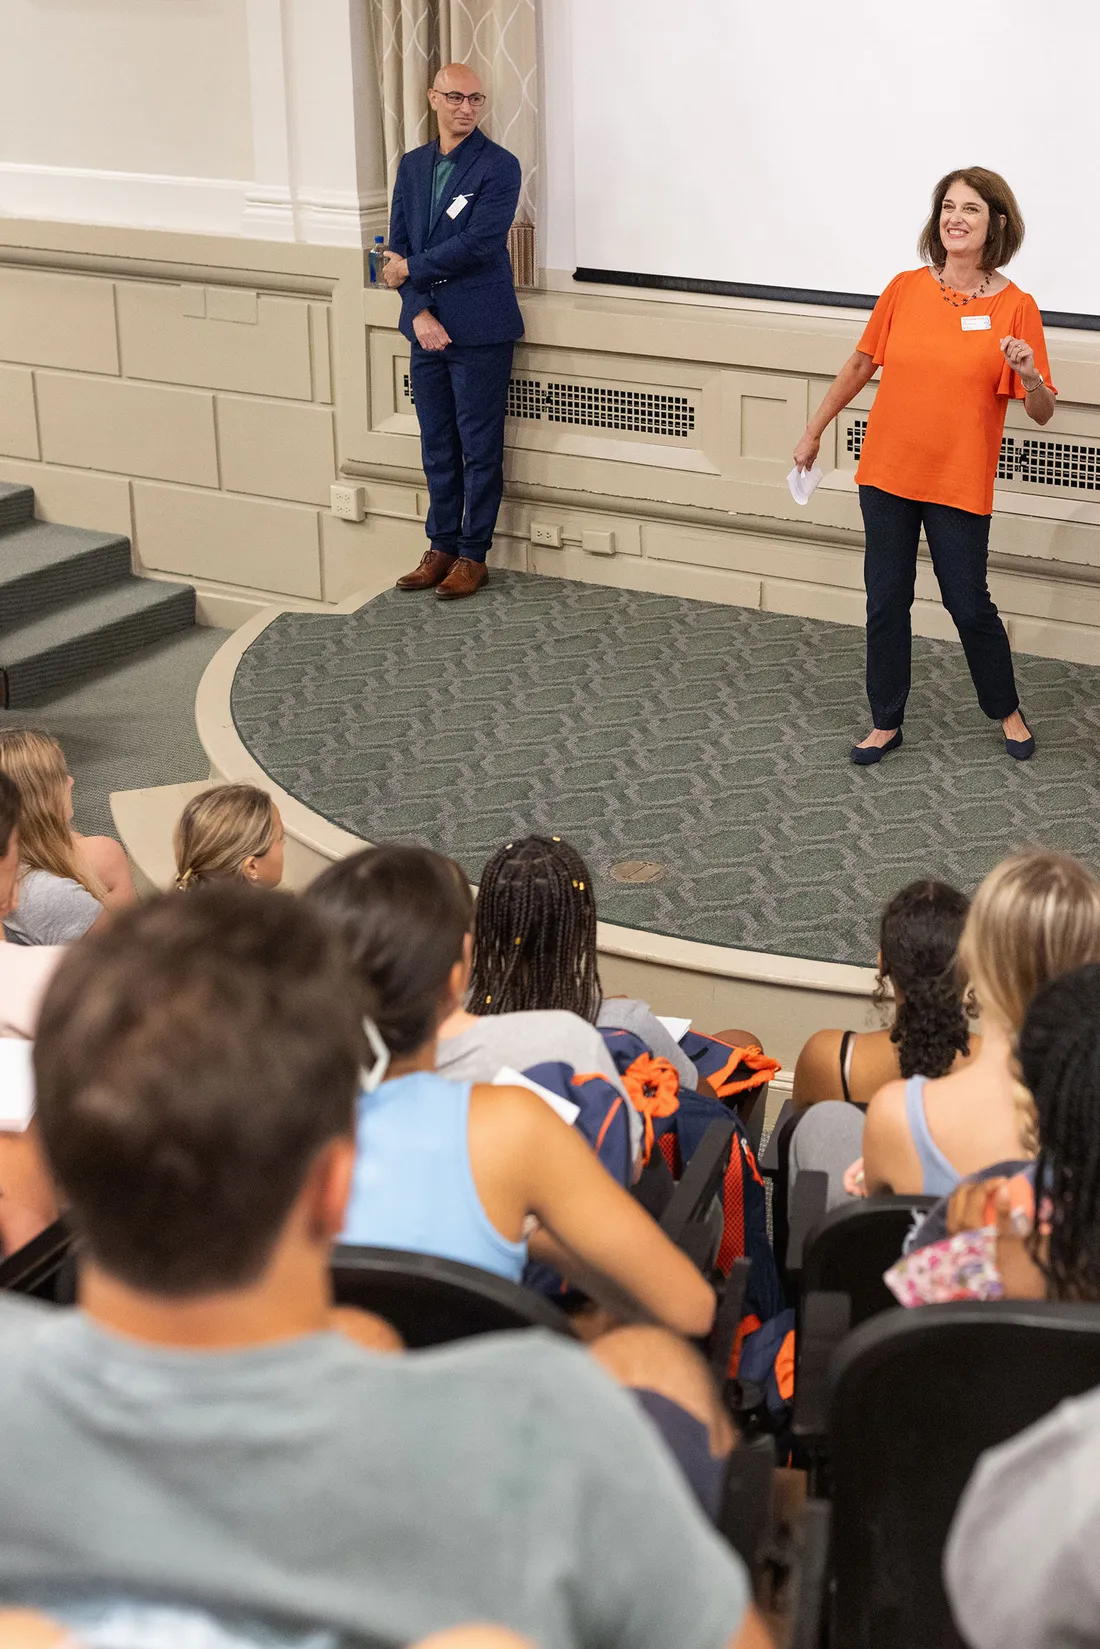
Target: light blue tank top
[(940, 1178), (413, 1186)]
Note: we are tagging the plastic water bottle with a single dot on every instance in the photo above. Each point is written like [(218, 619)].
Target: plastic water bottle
[(377, 260)]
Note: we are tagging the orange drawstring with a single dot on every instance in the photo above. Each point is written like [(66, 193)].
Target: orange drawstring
[(654, 1090)]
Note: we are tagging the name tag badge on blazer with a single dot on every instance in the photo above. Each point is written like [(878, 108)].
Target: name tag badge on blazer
[(975, 323), (457, 205)]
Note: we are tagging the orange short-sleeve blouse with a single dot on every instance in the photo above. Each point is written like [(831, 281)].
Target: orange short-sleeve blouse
[(934, 432)]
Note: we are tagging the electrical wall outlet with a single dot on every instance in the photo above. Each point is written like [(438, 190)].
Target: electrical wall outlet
[(543, 533), (349, 503), (598, 543)]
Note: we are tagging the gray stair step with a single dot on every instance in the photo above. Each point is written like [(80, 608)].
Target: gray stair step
[(16, 504), (50, 651), (43, 565)]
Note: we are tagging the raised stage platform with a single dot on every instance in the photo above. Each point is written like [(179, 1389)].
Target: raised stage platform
[(708, 740)]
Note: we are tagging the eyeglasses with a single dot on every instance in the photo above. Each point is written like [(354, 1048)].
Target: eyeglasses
[(457, 99)]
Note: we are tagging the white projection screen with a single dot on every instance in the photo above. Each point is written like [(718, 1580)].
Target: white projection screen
[(794, 144)]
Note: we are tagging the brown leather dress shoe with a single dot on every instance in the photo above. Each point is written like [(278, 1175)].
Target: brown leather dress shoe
[(433, 569), (465, 578)]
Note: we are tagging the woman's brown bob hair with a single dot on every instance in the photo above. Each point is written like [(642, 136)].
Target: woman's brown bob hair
[(1003, 241)]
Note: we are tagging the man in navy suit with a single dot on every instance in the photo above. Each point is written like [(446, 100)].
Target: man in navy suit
[(453, 205)]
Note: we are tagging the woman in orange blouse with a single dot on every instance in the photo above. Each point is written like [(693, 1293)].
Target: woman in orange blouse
[(955, 339)]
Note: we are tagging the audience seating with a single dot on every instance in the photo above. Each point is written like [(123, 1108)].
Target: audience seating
[(747, 1514), (431, 1301), (44, 1268), (917, 1397), (850, 1249)]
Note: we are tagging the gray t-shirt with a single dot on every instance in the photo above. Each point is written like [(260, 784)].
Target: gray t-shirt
[(1021, 1560), (626, 1014), (379, 1498), (525, 1039), (52, 910)]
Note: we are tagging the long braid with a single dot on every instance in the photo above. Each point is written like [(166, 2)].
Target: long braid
[(1059, 1054), (535, 932)]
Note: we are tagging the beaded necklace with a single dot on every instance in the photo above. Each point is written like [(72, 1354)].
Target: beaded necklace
[(962, 305)]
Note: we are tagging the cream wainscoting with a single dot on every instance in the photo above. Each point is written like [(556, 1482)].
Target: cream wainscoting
[(202, 393)]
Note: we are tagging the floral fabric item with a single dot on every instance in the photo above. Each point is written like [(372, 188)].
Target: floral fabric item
[(963, 1267)]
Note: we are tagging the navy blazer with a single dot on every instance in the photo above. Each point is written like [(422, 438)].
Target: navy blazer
[(459, 267)]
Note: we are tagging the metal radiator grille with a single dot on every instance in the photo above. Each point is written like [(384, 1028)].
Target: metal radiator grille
[(1072, 466), (1050, 463), (589, 406)]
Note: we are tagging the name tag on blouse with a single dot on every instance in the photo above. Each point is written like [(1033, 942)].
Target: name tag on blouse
[(975, 323)]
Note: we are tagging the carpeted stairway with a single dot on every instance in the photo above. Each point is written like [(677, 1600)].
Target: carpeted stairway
[(70, 604)]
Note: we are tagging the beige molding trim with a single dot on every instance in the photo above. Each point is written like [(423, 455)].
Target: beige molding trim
[(691, 515)]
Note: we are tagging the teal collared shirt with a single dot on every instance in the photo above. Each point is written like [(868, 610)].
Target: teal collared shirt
[(441, 176)]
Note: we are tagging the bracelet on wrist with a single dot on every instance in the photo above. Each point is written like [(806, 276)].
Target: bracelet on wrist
[(1031, 388)]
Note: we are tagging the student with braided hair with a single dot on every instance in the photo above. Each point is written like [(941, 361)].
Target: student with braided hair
[(463, 1169), (1021, 1568), (1035, 916), (1059, 1059), (535, 952), (534, 990)]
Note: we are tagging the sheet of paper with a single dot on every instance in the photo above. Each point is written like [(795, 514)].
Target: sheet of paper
[(804, 483), (676, 1028), (506, 1077), (16, 1084), (457, 205)]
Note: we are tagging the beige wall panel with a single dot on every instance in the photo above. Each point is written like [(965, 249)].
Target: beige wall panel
[(931, 619), (135, 429), (697, 583), (246, 541), (511, 553), (276, 450), (1074, 543), (1075, 642), (58, 320), (320, 349), (354, 553), (18, 422), (780, 595), (1064, 601), (755, 553), (75, 497), (161, 342)]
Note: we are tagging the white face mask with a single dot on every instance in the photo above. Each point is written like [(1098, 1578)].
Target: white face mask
[(376, 1075)]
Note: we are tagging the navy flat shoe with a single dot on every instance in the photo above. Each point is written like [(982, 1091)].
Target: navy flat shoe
[(866, 755), (1021, 750)]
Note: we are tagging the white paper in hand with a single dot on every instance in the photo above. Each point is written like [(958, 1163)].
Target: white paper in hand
[(803, 483), (16, 1084)]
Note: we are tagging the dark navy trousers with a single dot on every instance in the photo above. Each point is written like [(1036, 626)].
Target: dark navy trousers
[(461, 393), (958, 542)]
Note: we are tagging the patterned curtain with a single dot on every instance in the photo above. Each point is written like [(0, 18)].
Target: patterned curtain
[(497, 38)]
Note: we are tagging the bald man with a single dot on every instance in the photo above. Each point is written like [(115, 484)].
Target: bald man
[(453, 205)]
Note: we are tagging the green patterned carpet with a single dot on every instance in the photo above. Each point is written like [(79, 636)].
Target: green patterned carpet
[(712, 739)]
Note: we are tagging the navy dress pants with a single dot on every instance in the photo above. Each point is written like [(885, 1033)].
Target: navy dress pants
[(461, 393), (958, 542)]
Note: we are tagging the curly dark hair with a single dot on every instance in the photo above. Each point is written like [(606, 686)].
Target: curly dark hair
[(918, 938), (1059, 1057), (535, 932)]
